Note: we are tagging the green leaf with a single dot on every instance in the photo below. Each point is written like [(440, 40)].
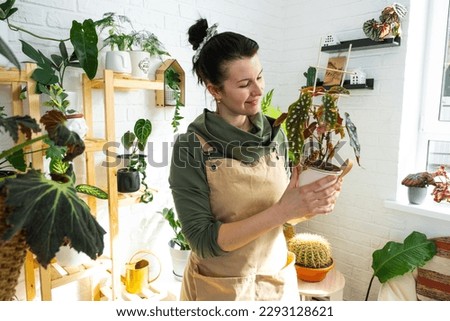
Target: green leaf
[(84, 40), (396, 259), (51, 212), (25, 124), (57, 166), (8, 53), (128, 139), (6, 9), (17, 160), (92, 190), (143, 129)]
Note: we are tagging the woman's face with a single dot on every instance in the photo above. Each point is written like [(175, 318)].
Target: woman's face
[(243, 88)]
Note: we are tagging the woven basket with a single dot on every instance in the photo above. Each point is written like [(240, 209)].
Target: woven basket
[(12, 257)]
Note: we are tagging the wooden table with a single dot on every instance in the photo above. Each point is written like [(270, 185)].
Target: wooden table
[(332, 287)]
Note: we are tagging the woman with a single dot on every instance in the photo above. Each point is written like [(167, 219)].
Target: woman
[(229, 179)]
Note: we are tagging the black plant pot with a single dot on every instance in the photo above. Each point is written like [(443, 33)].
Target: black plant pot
[(128, 181)]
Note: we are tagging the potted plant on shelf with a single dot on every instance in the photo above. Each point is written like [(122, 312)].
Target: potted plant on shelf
[(117, 39), (128, 177), (441, 191), (57, 99), (418, 186), (42, 211), (172, 95), (178, 245), (146, 53), (313, 258)]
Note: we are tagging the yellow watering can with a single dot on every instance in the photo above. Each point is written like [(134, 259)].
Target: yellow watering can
[(137, 273)]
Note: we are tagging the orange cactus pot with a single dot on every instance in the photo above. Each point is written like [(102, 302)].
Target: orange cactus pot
[(311, 274)]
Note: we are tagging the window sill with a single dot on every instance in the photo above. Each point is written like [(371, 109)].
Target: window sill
[(428, 209)]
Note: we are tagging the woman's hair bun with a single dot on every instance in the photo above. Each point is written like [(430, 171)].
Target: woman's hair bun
[(197, 32)]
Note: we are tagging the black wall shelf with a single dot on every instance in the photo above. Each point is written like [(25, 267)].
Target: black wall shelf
[(360, 44), (368, 85)]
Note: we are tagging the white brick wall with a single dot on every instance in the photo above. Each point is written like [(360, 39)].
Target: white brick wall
[(289, 36)]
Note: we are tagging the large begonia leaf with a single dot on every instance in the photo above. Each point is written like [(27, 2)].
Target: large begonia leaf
[(51, 212)]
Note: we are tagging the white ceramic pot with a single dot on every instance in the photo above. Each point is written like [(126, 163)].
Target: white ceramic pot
[(140, 64), (310, 175), (118, 61), (416, 195), (153, 65), (179, 260), (169, 97), (67, 256), (77, 123)]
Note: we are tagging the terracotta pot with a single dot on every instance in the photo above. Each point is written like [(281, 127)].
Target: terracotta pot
[(311, 274)]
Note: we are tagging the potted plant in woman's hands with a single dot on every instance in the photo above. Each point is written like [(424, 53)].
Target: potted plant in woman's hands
[(311, 129), (179, 246), (128, 177)]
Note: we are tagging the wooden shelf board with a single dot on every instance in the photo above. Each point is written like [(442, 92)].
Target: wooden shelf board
[(126, 82), (364, 43), (63, 275), (94, 144)]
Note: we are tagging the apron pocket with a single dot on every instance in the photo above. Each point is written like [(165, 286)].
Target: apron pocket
[(279, 286), (224, 288)]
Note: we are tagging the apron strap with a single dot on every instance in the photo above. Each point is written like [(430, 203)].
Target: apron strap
[(207, 148)]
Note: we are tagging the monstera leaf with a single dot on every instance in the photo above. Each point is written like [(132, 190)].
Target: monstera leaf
[(51, 212)]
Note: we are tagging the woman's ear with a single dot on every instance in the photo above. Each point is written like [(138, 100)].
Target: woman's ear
[(214, 91)]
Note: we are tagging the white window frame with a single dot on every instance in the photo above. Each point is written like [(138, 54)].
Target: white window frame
[(430, 126), (424, 68)]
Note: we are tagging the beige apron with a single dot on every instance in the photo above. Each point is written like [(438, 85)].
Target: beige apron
[(260, 270)]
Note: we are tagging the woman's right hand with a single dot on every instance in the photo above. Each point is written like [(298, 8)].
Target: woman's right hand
[(309, 200)]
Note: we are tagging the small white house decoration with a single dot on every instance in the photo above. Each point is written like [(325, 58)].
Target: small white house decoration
[(330, 40), (357, 77)]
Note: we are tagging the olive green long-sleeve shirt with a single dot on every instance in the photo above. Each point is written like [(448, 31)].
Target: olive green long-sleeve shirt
[(188, 177)]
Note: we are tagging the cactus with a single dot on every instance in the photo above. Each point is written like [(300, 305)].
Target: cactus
[(310, 76), (311, 250)]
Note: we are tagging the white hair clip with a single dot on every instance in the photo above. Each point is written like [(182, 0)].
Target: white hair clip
[(210, 32)]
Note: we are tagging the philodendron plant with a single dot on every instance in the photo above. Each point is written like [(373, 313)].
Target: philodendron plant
[(47, 205), (135, 141)]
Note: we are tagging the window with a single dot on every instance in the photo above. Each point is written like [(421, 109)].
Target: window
[(434, 134)]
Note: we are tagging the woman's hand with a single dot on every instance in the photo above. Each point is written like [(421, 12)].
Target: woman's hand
[(309, 200)]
